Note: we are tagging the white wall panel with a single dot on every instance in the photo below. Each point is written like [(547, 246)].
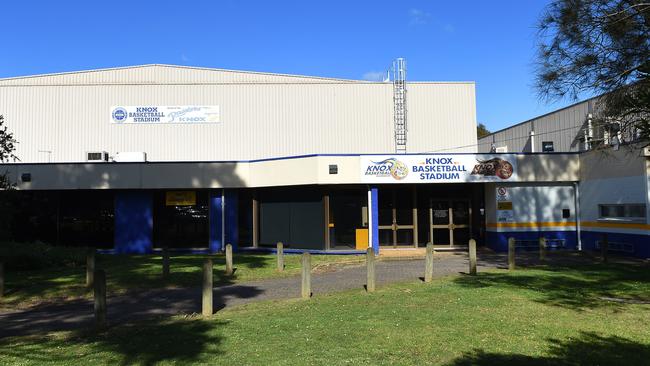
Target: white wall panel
[(535, 207), (265, 117), (564, 127), (439, 119)]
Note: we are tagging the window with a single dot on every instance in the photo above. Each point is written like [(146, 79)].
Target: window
[(180, 219), (87, 218), (633, 211), (547, 146)]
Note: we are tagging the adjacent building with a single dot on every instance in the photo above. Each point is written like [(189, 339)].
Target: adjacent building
[(613, 189)]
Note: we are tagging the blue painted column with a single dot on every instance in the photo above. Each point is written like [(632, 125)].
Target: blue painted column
[(231, 217), (133, 222), (374, 218), (215, 205)]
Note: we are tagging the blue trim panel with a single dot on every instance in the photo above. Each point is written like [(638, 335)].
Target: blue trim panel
[(300, 251), (498, 241), (231, 197), (215, 221), (374, 211), (133, 222), (636, 245)]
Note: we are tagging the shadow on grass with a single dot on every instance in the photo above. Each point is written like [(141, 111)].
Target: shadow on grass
[(145, 343), (124, 272), (145, 271), (152, 300), (573, 285), (588, 349)]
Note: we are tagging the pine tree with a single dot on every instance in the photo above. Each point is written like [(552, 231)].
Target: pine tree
[(599, 47)]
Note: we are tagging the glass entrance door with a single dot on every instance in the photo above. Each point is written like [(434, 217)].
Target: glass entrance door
[(450, 222), (460, 223), (397, 218), (439, 219)]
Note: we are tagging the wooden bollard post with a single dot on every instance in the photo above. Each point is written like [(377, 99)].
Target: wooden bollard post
[(100, 299), (2, 280), (165, 262), (472, 257), (280, 253), (542, 249), (428, 268), (229, 270), (306, 275), (370, 264), (207, 305), (604, 248), (90, 267), (511, 254)]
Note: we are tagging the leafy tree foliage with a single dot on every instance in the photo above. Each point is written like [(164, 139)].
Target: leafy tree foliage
[(599, 47), (7, 148), (482, 131)]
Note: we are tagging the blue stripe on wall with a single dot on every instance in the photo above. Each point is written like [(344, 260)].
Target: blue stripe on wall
[(215, 212), (231, 198), (133, 222), (631, 244), (498, 241), (374, 211)]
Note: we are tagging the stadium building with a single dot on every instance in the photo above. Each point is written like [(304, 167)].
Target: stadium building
[(134, 159)]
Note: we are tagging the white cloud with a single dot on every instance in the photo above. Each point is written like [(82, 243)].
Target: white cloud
[(419, 16), (374, 76)]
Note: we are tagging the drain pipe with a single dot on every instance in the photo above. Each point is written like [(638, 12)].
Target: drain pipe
[(576, 196), (532, 141)]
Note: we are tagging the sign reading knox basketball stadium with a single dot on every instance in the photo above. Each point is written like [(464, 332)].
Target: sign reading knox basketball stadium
[(438, 168), (165, 114)]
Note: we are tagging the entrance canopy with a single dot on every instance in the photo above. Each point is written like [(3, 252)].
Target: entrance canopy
[(299, 170)]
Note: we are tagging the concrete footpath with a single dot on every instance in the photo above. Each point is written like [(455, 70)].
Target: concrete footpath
[(167, 302)]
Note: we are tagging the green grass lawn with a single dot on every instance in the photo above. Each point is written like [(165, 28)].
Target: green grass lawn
[(130, 272), (541, 316)]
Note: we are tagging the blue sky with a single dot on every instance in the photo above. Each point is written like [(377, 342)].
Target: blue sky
[(489, 42)]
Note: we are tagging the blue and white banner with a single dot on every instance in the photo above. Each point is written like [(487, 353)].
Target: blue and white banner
[(147, 114), (438, 168)]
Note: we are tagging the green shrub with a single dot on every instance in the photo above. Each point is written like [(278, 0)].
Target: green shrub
[(38, 255)]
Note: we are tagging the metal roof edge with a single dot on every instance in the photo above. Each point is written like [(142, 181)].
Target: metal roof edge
[(63, 73), (180, 67)]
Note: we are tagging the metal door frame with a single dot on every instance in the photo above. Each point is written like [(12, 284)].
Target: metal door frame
[(395, 226), (451, 226)]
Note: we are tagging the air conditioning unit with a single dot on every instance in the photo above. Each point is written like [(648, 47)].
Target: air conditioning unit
[(97, 156), (130, 157), (646, 151), (501, 149)]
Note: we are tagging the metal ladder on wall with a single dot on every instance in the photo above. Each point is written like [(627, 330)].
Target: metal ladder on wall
[(399, 103)]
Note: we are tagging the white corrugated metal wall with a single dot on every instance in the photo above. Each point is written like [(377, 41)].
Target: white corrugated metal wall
[(263, 115), (563, 127)]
